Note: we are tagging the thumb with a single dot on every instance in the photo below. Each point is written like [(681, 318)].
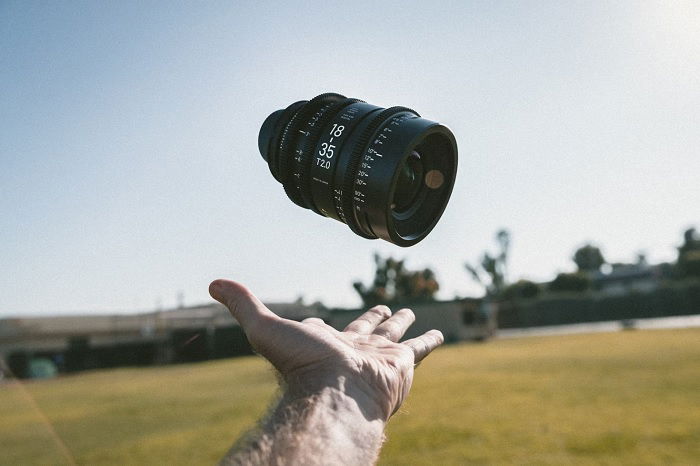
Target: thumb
[(241, 302)]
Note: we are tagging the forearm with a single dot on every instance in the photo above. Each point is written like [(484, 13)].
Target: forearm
[(326, 427)]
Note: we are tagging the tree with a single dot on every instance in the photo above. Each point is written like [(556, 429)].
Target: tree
[(521, 289), (689, 254), (394, 283), (574, 282), (588, 258), (492, 271)]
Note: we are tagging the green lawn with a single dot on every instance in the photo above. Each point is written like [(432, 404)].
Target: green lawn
[(629, 397)]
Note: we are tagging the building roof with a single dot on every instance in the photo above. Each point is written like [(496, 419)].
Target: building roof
[(57, 330)]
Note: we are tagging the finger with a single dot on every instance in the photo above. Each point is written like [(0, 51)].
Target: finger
[(368, 321), (241, 302), (395, 326), (424, 344)]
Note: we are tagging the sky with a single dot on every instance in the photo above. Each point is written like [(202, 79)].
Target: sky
[(130, 174)]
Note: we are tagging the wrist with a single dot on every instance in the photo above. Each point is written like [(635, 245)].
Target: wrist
[(328, 415), (351, 392)]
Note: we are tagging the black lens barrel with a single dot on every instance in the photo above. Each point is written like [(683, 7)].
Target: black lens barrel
[(342, 158)]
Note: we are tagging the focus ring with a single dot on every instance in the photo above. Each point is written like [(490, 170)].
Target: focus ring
[(310, 146), (289, 140), (354, 164)]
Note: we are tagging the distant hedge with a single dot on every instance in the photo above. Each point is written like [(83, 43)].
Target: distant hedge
[(670, 299)]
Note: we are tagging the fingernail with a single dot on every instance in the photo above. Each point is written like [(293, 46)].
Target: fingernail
[(216, 289)]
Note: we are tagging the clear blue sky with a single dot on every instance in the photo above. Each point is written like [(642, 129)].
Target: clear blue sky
[(129, 168)]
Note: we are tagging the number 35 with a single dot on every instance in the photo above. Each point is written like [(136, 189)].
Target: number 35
[(326, 150)]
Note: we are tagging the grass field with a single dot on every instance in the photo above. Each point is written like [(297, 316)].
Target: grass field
[(630, 397)]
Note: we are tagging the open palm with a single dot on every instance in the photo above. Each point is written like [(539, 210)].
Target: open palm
[(366, 357)]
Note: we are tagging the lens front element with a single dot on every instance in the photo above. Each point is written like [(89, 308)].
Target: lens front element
[(409, 184)]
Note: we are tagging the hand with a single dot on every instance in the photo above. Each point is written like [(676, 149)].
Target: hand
[(364, 361)]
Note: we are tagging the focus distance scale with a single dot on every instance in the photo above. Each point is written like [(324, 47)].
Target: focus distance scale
[(385, 172)]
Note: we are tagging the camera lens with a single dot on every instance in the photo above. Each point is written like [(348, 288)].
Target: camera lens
[(385, 172)]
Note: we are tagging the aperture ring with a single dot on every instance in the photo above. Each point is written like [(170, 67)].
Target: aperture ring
[(351, 174), (297, 175), (282, 161)]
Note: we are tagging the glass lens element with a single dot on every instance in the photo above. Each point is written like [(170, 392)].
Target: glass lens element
[(409, 183)]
